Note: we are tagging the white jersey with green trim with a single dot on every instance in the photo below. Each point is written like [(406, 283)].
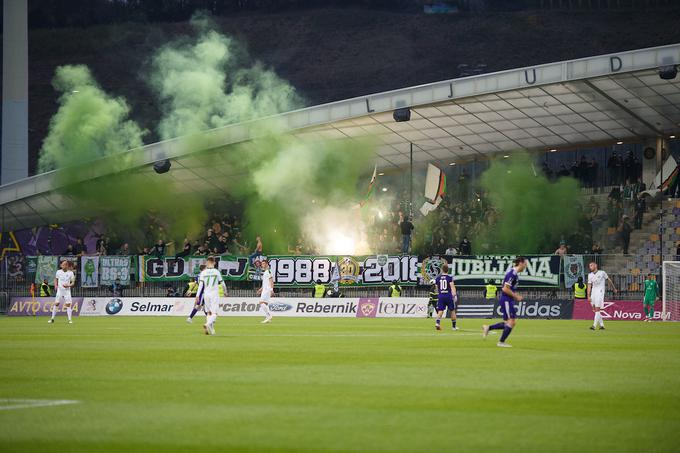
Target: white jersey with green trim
[(210, 280)]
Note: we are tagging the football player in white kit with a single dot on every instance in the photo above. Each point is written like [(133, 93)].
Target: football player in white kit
[(63, 282), (209, 281), (266, 291), (597, 282)]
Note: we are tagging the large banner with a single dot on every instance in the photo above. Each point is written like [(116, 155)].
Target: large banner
[(89, 271), (301, 271), (573, 269), (15, 266), (615, 310), (305, 271), (46, 268), (31, 265), (40, 306), (177, 268), (249, 306), (112, 268), (542, 271), (371, 270)]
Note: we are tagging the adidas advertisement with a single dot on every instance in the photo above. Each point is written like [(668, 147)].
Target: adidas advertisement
[(543, 309)]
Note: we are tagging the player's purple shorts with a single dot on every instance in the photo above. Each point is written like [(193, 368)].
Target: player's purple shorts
[(446, 302), (508, 309)]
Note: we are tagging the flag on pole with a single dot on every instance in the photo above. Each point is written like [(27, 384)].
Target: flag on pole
[(369, 192), (435, 189)]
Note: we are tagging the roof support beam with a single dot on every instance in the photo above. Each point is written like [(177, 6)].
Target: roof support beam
[(632, 114)]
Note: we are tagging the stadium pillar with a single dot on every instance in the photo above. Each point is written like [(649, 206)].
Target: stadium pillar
[(410, 200), (660, 151), (14, 91), (650, 165)]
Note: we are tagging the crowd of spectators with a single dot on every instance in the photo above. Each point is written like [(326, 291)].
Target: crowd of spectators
[(462, 214), (619, 168)]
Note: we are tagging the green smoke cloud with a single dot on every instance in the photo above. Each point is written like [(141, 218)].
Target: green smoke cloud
[(290, 188), (208, 82), (89, 123), (285, 186), (315, 185), (533, 214)]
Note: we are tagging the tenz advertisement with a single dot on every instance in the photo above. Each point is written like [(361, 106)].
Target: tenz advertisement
[(41, 306), (249, 306), (541, 271), (616, 310)]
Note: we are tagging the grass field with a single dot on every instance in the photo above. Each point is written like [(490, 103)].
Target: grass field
[(312, 385)]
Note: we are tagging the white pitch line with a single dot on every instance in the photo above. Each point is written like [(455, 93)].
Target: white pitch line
[(11, 404), (433, 334)]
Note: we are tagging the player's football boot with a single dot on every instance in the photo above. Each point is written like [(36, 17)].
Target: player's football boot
[(592, 327), (266, 321), (601, 327), (189, 321), (206, 329), (503, 345), (51, 321), (437, 327)]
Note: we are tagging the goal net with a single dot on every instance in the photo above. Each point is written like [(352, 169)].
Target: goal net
[(670, 288)]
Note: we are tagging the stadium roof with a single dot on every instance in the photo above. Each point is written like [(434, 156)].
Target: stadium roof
[(576, 103)]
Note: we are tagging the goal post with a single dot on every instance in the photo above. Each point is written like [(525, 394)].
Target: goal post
[(670, 290)]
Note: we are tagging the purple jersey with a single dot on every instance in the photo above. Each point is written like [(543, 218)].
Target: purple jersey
[(511, 279), (443, 284)]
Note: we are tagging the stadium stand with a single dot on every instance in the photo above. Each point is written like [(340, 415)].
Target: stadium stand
[(562, 112)]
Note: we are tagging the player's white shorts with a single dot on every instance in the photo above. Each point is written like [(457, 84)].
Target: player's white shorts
[(211, 303), (265, 296), (63, 296), (597, 300)]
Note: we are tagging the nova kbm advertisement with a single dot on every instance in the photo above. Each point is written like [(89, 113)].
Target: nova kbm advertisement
[(615, 310)]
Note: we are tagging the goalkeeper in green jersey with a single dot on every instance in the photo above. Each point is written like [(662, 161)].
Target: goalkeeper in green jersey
[(651, 295)]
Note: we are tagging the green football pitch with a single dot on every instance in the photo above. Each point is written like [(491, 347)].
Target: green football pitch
[(310, 385)]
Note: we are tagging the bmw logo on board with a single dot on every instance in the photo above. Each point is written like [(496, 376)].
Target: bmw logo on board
[(114, 306)]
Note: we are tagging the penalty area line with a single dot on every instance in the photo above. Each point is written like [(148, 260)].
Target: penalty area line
[(8, 404)]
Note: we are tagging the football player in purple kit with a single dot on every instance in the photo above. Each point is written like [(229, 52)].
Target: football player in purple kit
[(446, 297), (507, 302)]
